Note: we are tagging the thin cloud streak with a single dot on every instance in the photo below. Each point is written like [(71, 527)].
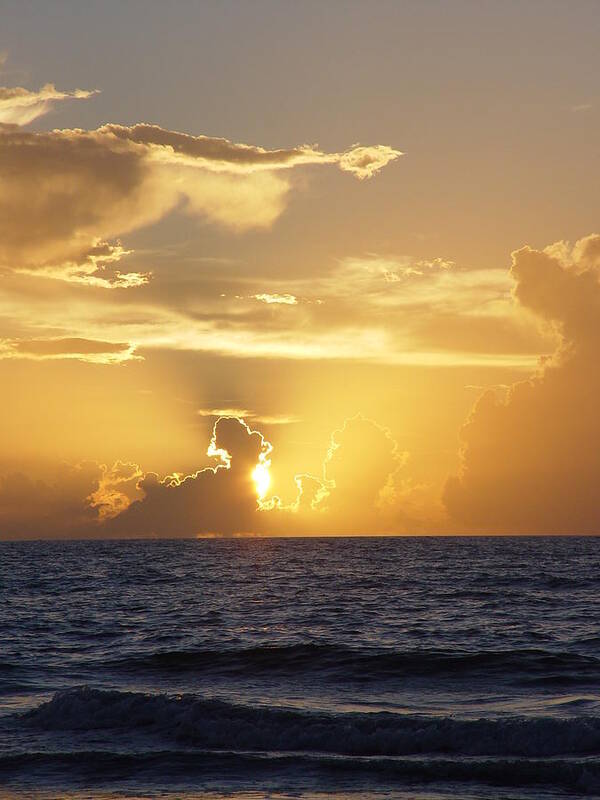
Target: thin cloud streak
[(19, 106)]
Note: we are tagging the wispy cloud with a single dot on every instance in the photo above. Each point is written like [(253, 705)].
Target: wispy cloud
[(276, 299), (246, 413), (91, 350), (582, 107), (19, 106)]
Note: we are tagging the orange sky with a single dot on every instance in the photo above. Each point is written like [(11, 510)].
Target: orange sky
[(209, 324)]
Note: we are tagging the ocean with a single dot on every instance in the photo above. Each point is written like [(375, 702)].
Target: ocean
[(309, 668)]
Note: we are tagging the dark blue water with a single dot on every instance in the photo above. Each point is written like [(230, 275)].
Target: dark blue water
[(409, 668)]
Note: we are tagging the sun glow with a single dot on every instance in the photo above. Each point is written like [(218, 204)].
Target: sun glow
[(262, 478)]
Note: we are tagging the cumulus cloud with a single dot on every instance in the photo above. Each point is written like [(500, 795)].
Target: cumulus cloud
[(222, 499), (359, 490), (364, 162), (362, 464), (531, 458), (19, 106), (65, 500), (117, 487), (91, 499)]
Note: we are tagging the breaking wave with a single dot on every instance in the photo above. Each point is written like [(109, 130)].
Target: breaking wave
[(190, 720)]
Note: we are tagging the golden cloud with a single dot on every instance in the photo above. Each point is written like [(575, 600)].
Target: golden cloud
[(359, 491), (246, 413), (66, 195), (276, 299), (531, 457), (221, 155), (19, 106), (92, 350)]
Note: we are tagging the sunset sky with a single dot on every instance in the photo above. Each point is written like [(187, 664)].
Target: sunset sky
[(297, 268)]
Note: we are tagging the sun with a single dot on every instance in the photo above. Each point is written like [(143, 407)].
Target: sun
[(262, 478)]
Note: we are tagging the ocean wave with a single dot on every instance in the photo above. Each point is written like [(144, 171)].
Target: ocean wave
[(231, 768), (369, 665), (190, 720)]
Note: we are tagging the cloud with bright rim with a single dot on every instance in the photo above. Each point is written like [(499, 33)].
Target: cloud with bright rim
[(66, 196)]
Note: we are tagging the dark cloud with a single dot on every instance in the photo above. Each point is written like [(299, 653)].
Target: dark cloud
[(62, 192), (531, 461), (221, 499), (55, 504)]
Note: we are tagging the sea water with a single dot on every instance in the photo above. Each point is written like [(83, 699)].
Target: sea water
[(351, 667)]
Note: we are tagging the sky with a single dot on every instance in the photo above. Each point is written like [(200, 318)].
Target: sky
[(282, 268)]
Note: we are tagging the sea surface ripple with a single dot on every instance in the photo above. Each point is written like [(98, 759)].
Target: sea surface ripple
[(417, 667)]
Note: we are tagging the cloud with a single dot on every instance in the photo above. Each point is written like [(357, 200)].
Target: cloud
[(221, 499), (221, 155), (117, 488), (63, 501), (91, 350), (359, 491), (277, 299), (241, 413), (277, 419), (245, 413), (388, 309), (361, 467), (91, 499), (531, 459), (19, 106), (364, 162), (429, 314), (67, 195), (94, 268)]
